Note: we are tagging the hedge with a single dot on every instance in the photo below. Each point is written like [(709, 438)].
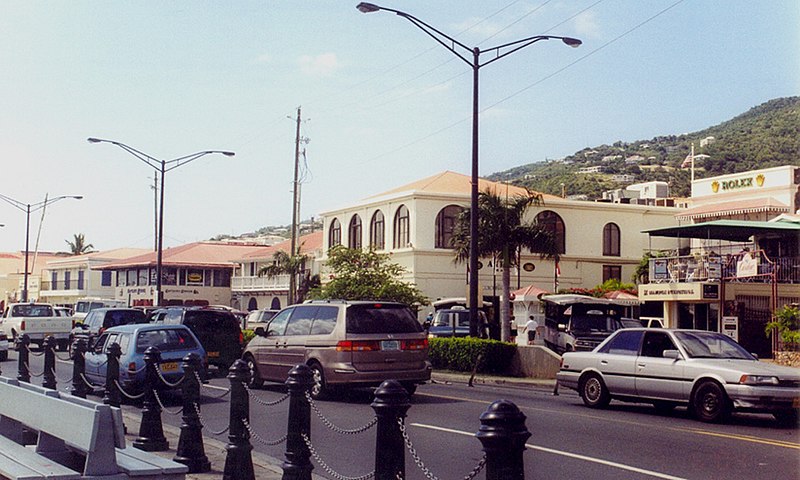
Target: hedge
[(460, 354)]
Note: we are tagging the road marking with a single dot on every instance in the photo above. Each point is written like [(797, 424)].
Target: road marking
[(697, 431), (576, 456)]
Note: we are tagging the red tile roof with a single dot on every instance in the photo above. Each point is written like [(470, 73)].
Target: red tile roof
[(198, 254), (308, 243)]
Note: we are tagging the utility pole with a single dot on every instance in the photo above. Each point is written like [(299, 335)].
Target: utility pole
[(295, 199), (155, 212)]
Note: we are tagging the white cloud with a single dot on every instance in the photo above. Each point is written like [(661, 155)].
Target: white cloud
[(320, 65), (586, 25)]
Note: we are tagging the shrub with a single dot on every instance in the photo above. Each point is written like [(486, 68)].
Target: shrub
[(247, 335), (786, 320), (460, 354)]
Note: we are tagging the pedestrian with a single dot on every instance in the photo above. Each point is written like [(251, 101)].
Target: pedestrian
[(530, 328)]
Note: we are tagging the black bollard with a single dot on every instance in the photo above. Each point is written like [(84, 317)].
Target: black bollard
[(49, 376), (79, 387), (390, 405), (23, 344), (190, 450), (298, 457), (151, 431), (503, 434), (238, 458), (111, 394)]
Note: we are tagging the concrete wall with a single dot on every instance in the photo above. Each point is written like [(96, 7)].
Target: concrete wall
[(535, 361)]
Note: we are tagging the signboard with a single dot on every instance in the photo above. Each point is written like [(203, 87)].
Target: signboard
[(671, 291), (730, 327), (659, 269), (747, 266), (711, 291), (714, 267)]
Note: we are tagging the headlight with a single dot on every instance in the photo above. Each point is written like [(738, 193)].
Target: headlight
[(758, 380)]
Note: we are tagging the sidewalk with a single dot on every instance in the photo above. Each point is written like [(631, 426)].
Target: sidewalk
[(269, 468)]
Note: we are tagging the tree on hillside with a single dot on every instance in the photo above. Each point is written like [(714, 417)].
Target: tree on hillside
[(79, 246), (357, 274), (502, 232)]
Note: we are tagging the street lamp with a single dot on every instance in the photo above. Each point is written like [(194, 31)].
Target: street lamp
[(162, 166), (474, 61), (28, 208)]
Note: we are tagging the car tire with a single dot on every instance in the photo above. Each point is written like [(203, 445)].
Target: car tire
[(410, 388), (3, 355), (709, 403), (594, 392), (318, 388), (255, 378), (663, 407), (787, 418)]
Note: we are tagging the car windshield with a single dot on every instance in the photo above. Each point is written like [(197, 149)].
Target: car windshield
[(711, 345), (380, 318), (589, 323)]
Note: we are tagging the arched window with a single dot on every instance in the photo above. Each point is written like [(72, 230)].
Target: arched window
[(553, 223), (445, 222), (275, 304), (611, 240), (335, 233), (354, 233), (401, 230), (377, 231)]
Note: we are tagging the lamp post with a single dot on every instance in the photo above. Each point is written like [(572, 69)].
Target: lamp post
[(28, 208), (162, 166), (472, 57)]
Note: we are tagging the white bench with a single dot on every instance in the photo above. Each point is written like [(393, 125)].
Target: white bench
[(77, 438)]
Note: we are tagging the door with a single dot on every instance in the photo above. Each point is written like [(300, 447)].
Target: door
[(656, 376), (617, 362), (268, 351), (293, 351)]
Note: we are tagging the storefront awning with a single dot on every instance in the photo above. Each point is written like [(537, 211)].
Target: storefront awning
[(740, 207), (731, 230)]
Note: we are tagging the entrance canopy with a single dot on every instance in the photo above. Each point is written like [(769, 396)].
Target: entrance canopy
[(731, 230)]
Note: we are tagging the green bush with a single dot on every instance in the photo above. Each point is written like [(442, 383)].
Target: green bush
[(460, 354), (247, 335)]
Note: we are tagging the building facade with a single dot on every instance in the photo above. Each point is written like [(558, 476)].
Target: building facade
[(414, 224)]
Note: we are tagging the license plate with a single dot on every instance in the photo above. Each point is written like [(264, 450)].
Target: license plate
[(390, 345), (169, 366), (213, 354)]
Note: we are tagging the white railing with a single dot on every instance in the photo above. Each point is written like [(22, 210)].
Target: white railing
[(279, 282)]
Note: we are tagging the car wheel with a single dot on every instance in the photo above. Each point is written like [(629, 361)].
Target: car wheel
[(318, 389), (255, 378), (410, 388), (663, 407), (787, 418), (710, 404), (3, 355), (594, 392)]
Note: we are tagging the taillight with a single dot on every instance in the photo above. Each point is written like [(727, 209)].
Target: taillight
[(356, 346), (22, 325), (241, 337), (132, 367), (73, 324), (420, 344)]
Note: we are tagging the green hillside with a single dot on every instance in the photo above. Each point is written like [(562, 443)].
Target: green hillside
[(765, 136)]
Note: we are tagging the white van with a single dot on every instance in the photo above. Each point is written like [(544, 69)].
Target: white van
[(84, 305)]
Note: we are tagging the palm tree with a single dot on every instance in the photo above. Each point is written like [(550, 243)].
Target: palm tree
[(503, 231), (79, 245), (285, 264)]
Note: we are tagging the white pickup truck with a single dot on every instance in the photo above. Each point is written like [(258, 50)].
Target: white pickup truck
[(37, 320)]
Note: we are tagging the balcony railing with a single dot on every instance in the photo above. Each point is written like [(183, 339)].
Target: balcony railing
[(62, 285), (249, 284), (752, 267)]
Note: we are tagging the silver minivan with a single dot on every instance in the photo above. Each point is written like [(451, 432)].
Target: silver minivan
[(346, 343)]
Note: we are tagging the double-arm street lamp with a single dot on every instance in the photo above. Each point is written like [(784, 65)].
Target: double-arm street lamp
[(472, 57), (28, 208), (162, 166)]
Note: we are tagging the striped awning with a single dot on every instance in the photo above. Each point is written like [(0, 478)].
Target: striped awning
[(753, 205)]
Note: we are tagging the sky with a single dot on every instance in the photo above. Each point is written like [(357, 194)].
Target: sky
[(382, 104)]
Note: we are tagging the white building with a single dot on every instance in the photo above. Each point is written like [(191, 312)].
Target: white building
[(414, 224)]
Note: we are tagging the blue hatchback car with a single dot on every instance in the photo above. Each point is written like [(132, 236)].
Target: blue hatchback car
[(173, 341)]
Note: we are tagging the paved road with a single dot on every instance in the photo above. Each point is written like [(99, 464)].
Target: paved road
[(625, 441)]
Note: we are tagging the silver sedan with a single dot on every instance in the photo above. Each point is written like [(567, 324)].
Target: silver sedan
[(707, 371)]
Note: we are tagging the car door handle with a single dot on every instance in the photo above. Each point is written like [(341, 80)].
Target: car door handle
[(641, 365), (603, 362)]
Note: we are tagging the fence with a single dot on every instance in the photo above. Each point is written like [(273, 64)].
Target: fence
[(502, 430)]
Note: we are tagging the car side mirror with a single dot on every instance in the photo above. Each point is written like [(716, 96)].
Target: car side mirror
[(755, 355), (261, 332), (673, 354)]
